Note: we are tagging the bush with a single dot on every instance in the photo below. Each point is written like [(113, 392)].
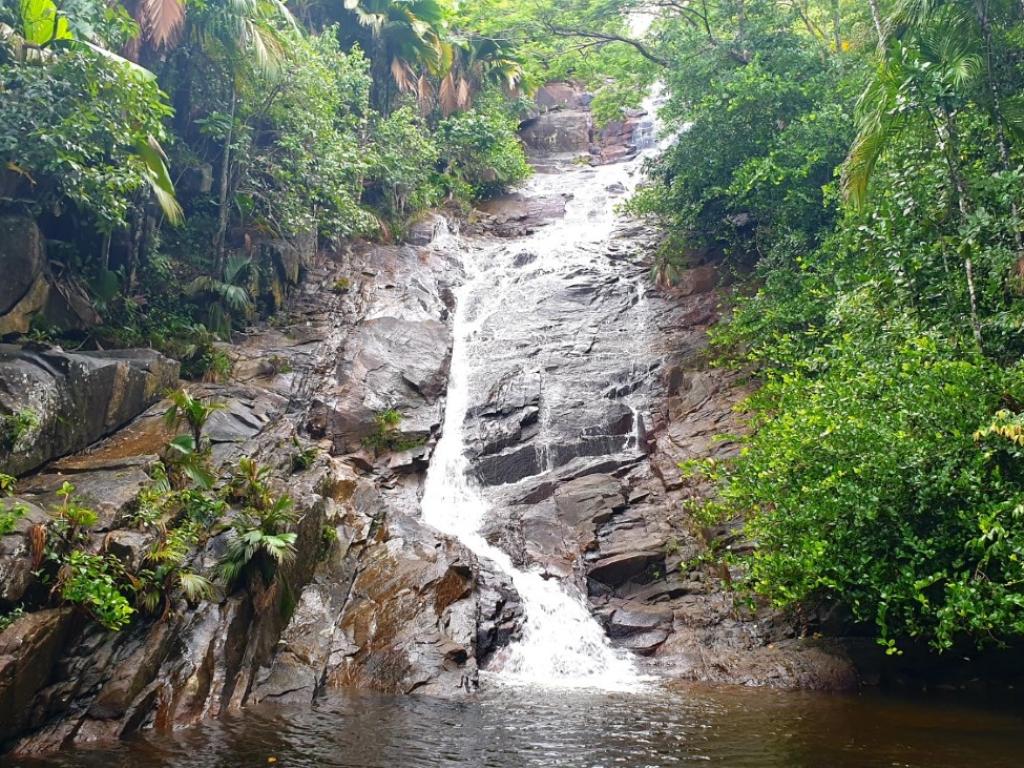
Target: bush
[(306, 169), (482, 151), (402, 166), (73, 126), (876, 476), (91, 581)]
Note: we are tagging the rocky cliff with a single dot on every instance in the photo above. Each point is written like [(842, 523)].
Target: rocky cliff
[(373, 598)]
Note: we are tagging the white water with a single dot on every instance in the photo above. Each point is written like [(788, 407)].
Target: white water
[(562, 645)]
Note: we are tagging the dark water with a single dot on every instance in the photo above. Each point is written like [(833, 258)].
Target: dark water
[(734, 727)]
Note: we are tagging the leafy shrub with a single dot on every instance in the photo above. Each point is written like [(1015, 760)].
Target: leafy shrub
[(74, 127), (260, 542), (303, 458), (884, 482), (482, 150), (402, 165), (92, 582), (386, 435), (192, 411), (306, 168), (10, 514)]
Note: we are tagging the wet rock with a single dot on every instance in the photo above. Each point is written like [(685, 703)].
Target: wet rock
[(69, 308), (29, 649), (560, 131), (391, 363), (516, 214), (593, 499), (24, 289), (75, 398), (697, 280), (425, 230), (108, 492), (561, 95), (289, 255), (618, 569), (17, 579)]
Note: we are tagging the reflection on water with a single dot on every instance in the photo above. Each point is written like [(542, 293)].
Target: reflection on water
[(505, 728)]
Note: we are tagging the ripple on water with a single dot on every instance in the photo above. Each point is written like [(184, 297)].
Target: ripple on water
[(524, 728)]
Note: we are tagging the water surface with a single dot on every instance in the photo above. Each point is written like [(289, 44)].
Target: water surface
[(523, 728)]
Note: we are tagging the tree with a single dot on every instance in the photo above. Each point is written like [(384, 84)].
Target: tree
[(928, 79), (406, 40)]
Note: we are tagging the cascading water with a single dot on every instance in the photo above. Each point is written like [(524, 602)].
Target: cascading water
[(561, 644)]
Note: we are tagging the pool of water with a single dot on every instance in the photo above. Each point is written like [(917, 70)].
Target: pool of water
[(520, 728)]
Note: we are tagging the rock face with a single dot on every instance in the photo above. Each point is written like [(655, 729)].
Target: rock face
[(24, 289), (374, 598), (559, 131), (55, 402), (563, 125)]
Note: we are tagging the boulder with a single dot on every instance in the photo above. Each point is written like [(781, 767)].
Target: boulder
[(16, 568), (391, 363), (558, 132), (24, 289), (29, 650), (56, 402), (69, 308), (516, 214), (560, 95)]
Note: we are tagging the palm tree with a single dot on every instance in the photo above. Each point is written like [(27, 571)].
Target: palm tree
[(228, 295), (475, 64), (924, 80), (407, 38)]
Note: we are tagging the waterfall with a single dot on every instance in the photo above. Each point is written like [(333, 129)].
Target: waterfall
[(562, 645)]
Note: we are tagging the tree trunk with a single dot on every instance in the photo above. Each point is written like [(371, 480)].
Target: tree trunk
[(952, 142), (876, 16), (225, 174)]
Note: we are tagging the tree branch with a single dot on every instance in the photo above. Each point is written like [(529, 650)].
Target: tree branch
[(609, 37)]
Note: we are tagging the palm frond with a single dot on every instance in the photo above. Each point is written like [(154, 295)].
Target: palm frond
[(161, 21)]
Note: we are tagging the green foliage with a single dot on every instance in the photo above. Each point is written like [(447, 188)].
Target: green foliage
[(260, 542), (401, 165), (78, 128), (9, 617), (865, 482), (883, 469), (10, 514), (92, 582), (306, 169), (386, 435), (303, 458), (15, 428), (192, 411), (226, 298), (7, 483), (761, 144), (482, 150), (328, 538)]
